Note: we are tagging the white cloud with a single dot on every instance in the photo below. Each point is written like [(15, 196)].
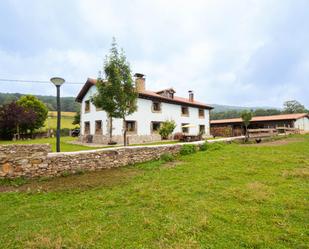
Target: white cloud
[(229, 52)]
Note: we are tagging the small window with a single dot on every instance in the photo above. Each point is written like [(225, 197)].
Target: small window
[(155, 126), (87, 128), (156, 106), (202, 129), (98, 127), (131, 126), (87, 106), (201, 113), (184, 111), (185, 128)]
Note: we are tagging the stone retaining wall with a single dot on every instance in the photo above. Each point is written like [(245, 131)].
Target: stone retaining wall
[(37, 161)]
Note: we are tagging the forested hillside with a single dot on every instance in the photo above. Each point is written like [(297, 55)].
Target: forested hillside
[(68, 104)]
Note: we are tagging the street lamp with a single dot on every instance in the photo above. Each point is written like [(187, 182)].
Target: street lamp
[(58, 82)]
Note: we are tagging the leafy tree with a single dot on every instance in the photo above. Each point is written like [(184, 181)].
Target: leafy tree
[(76, 120), (293, 106), (31, 103), (167, 128), (117, 95), (246, 117), (15, 119)]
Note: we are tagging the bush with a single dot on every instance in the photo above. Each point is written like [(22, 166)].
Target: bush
[(166, 157), (167, 129), (204, 146), (188, 149), (216, 146)]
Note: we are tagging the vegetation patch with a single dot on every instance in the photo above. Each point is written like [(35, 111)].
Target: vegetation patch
[(188, 149), (298, 172)]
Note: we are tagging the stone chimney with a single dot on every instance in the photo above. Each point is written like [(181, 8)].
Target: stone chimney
[(191, 96), (140, 82)]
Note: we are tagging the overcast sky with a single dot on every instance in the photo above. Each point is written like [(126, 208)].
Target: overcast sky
[(248, 53)]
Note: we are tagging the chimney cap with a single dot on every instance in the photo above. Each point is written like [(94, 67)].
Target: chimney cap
[(139, 75), (190, 91)]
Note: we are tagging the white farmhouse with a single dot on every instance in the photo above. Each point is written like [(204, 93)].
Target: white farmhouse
[(191, 116)]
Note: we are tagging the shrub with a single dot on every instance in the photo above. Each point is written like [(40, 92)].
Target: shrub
[(204, 146), (216, 146), (167, 128), (166, 157), (188, 149)]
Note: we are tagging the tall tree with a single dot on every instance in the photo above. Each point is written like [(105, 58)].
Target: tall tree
[(117, 94), (31, 103), (293, 106), (15, 119), (246, 117)]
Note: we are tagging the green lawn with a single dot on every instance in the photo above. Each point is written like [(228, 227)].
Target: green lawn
[(238, 196), (64, 145)]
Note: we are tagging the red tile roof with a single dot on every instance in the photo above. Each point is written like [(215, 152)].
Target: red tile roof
[(146, 94), (293, 116)]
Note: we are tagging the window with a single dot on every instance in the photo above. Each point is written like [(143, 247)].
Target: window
[(201, 113), (87, 106), (156, 106), (184, 128), (202, 129), (98, 127), (185, 111), (131, 126), (155, 126), (87, 128)]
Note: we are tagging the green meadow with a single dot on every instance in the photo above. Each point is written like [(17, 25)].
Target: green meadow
[(229, 196)]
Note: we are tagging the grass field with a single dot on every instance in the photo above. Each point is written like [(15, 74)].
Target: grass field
[(64, 144), (238, 196), (66, 120)]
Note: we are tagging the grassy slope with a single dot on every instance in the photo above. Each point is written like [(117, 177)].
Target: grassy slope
[(236, 197), (66, 120)]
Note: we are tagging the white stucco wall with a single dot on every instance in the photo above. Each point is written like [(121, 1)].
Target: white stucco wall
[(302, 123), (144, 116)]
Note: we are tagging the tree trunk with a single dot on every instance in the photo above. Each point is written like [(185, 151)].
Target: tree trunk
[(110, 129), (247, 137), (124, 132)]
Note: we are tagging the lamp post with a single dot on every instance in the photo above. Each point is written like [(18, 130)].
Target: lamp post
[(57, 81)]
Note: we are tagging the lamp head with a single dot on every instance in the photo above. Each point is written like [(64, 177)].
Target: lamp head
[(57, 81)]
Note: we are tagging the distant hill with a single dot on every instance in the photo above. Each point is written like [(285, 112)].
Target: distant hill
[(68, 104), (224, 108)]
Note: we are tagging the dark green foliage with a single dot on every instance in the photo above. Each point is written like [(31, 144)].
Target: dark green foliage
[(204, 146), (188, 149), (293, 106), (31, 103), (68, 104), (215, 146), (167, 157), (167, 128)]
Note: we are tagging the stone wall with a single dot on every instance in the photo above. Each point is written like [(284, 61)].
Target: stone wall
[(37, 161), (23, 160)]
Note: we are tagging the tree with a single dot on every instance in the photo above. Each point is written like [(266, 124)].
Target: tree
[(15, 119), (117, 95), (293, 106), (76, 120), (167, 128), (246, 117), (31, 103)]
